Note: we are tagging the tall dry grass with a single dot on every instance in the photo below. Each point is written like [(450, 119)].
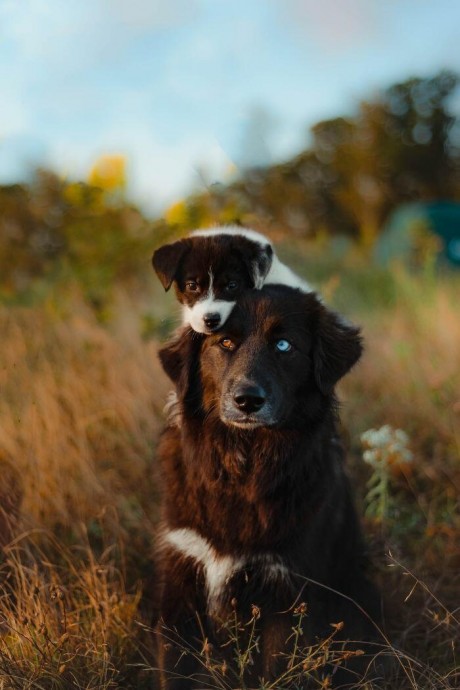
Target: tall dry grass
[(66, 619), (411, 370), (409, 378), (80, 411)]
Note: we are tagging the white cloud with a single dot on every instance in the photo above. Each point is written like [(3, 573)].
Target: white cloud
[(333, 25), (62, 39), (13, 115), (150, 14), (171, 83), (158, 174)]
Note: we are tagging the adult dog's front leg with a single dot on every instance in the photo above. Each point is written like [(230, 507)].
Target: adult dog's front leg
[(179, 630), (178, 650)]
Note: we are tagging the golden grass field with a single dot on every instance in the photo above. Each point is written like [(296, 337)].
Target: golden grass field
[(80, 411)]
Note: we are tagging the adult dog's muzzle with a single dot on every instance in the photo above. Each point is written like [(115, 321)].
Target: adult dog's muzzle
[(247, 405)]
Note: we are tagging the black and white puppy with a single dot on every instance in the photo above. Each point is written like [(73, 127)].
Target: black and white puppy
[(211, 268)]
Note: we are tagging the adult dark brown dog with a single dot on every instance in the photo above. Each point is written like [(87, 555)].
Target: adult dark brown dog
[(257, 507)]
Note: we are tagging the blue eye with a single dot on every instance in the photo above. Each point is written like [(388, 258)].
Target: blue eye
[(283, 346)]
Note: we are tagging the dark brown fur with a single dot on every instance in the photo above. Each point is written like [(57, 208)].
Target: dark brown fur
[(209, 274), (277, 487), (228, 257)]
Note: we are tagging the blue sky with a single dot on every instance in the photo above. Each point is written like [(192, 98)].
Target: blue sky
[(190, 90)]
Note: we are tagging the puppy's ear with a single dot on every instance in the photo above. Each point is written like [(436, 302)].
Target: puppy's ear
[(166, 261), (262, 263), (337, 347), (257, 259), (180, 359)]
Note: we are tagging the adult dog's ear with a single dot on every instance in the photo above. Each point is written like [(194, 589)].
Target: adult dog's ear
[(337, 347), (258, 260), (180, 359), (166, 261)]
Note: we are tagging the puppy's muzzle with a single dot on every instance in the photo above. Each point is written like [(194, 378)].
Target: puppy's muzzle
[(211, 321)]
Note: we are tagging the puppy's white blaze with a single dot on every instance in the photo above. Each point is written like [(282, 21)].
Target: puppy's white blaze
[(217, 569), (207, 305)]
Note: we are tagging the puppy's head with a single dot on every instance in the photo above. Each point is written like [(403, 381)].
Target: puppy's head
[(274, 364), (209, 273)]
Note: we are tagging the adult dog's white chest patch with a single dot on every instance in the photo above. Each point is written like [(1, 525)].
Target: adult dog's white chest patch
[(219, 569)]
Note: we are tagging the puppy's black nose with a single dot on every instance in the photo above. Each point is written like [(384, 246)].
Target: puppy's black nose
[(249, 398), (211, 320)]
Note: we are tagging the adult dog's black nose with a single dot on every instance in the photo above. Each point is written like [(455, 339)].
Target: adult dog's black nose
[(211, 320), (249, 397)]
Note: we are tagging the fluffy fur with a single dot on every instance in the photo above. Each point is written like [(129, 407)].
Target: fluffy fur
[(257, 507), (211, 268)]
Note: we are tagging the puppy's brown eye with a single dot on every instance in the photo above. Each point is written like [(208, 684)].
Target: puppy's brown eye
[(192, 286), (227, 344), (232, 285)]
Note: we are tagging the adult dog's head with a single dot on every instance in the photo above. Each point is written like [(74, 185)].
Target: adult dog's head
[(274, 363), (210, 270)]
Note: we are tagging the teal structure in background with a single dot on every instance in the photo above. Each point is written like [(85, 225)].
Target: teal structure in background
[(409, 228)]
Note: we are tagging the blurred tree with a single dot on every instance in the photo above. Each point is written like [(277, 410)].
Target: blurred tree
[(416, 121), (54, 228), (398, 147)]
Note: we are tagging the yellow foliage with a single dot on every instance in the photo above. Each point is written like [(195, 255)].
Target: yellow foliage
[(109, 173), (229, 212), (191, 213), (177, 214)]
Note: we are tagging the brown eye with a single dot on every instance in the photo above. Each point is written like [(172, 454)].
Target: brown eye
[(192, 286), (232, 285), (227, 344)]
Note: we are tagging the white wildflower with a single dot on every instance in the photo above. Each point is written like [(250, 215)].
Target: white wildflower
[(386, 446)]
